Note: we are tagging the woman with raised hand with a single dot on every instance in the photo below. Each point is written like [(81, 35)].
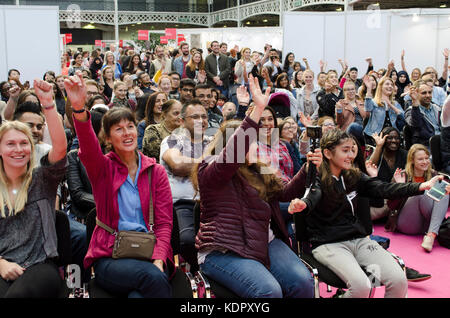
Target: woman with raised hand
[(419, 214), (383, 110), (28, 243), (110, 61), (242, 241), (337, 234), (243, 67), (123, 194)]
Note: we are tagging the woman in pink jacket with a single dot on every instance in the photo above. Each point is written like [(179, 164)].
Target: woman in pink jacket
[(121, 191)]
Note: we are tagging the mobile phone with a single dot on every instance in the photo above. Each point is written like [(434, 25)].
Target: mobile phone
[(437, 192)]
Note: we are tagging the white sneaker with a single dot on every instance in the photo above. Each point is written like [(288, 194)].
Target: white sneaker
[(428, 242)]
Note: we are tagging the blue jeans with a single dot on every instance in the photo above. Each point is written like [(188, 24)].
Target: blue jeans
[(79, 244), (135, 278), (287, 276)]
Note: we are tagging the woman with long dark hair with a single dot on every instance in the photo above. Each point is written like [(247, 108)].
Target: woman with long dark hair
[(337, 233), (245, 251)]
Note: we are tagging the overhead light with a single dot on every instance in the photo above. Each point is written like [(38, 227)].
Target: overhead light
[(224, 26), (89, 26), (339, 9), (377, 4), (248, 22), (415, 17), (265, 20), (443, 6), (139, 23)]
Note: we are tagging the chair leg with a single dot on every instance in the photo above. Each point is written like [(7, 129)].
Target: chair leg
[(315, 274), (202, 281), (372, 292), (194, 286)]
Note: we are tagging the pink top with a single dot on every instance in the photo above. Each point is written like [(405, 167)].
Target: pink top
[(106, 174)]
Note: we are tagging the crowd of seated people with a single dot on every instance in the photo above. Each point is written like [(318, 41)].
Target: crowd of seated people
[(123, 132)]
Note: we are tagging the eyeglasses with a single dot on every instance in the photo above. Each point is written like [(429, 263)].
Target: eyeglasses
[(197, 117)]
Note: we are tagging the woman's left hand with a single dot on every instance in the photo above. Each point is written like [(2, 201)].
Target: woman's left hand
[(160, 264), (430, 183), (296, 205), (371, 168), (44, 91), (315, 157)]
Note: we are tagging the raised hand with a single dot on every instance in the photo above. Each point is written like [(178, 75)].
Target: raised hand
[(399, 176), (391, 65), (367, 82), (44, 91), (305, 120), (296, 205), (76, 90), (261, 100), (201, 76), (242, 95), (14, 92), (371, 168), (446, 53), (414, 94), (379, 139)]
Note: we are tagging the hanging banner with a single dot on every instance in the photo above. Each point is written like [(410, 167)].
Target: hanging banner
[(120, 43), (143, 35), (181, 38), (98, 42), (171, 34), (68, 37), (163, 40)]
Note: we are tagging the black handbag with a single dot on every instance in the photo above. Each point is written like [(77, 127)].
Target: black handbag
[(444, 233)]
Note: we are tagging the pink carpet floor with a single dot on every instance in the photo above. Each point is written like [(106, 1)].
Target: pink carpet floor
[(408, 248)]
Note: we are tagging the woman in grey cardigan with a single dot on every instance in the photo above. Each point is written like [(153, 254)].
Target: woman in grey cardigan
[(28, 240)]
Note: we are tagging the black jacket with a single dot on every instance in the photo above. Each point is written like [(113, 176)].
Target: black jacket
[(327, 102), (331, 221), (80, 189)]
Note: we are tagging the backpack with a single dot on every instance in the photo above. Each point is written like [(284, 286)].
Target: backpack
[(444, 233)]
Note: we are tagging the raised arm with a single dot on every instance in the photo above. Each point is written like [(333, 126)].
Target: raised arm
[(12, 102), (44, 92)]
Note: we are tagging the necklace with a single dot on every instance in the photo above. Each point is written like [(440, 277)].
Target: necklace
[(14, 191)]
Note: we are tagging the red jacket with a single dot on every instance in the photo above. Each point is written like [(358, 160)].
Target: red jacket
[(106, 174), (233, 216)]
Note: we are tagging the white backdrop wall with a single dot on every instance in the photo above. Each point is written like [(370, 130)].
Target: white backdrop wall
[(254, 38), (30, 41), (382, 34)]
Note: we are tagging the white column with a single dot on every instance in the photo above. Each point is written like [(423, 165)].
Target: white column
[(116, 22)]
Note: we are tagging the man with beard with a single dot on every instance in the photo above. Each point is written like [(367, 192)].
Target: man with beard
[(179, 64), (423, 116)]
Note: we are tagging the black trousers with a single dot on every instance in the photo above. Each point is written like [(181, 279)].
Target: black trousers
[(38, 281)]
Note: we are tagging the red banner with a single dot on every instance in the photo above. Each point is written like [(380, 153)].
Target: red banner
[(163, 40), (171, 33), (143, 35), (120, 43), (181, 38), (68, 37), (98, 42)]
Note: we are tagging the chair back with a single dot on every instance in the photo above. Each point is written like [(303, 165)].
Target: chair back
[(90, 224), (435, 147), (64, 246)]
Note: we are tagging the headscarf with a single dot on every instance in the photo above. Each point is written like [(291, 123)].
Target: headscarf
[(401, 86)]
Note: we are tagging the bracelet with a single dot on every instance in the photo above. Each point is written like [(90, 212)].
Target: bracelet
[(48, 107), (78, 111)]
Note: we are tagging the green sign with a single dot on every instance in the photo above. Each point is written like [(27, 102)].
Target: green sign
[(184, 19), (298, 3)]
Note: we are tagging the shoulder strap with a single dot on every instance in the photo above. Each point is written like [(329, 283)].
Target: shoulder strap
[(150, 208), (104, 226), (150, 204)]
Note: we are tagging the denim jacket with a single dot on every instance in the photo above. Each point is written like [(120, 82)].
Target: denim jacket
[(377, 116)]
